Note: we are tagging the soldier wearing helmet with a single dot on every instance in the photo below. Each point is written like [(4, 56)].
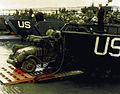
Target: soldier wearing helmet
[(101, 18)]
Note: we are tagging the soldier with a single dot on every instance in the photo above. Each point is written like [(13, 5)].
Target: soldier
[(101, 18), (39, 16)]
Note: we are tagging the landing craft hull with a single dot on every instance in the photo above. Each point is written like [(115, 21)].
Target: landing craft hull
[(92, 52), (28, 27)]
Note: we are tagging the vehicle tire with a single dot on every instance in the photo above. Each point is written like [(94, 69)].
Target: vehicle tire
[(29, 65)]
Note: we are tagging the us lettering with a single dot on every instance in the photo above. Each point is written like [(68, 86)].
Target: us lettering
[(24, 24), (105, 51)]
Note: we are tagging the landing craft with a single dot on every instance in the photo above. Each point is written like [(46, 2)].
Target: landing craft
[(28, 27), (82, 43), (76, 49), (80, 48), (93, 51), (25, 27)]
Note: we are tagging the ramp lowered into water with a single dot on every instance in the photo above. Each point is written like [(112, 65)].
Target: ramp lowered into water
[(11, 75)]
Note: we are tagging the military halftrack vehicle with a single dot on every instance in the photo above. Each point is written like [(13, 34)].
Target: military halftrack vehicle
[(42, 50)]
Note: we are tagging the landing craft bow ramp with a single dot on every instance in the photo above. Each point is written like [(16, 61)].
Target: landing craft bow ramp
[(10, 75)]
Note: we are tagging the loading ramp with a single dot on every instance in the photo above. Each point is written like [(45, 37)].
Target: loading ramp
[(10, 75)]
